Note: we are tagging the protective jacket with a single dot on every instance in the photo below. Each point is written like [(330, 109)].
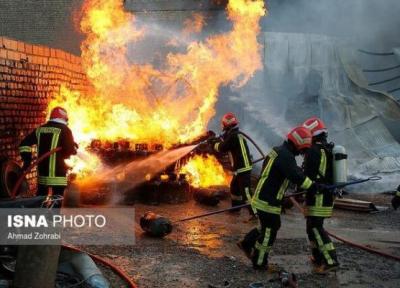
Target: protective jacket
[(233, 142), (52, 170), (279, 169), (318, 165)]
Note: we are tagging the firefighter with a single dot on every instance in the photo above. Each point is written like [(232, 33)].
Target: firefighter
[(52, 170), (318, 166), (235, 144), (279, 169), (396, 199)]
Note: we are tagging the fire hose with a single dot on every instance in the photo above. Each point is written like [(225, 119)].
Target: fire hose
[(348, 242), (207, 141), (94, 257), (338, 186), (112, 266), (363, 247), (255, 145), (27, 170), (330, 187)]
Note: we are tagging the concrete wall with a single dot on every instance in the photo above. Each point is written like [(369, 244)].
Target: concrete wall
[(29, 76)]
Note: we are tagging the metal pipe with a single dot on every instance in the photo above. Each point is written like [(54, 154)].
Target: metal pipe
[(393, 90), (335, 186), (384, 81), (376, 53), (212, 213), (382, 69)]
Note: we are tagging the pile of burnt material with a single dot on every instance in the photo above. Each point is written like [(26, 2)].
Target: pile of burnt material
[(210, 196), (167, 187), (122, 151)]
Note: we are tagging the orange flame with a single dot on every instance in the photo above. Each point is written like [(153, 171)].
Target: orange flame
[(156, 105), (205, 171)]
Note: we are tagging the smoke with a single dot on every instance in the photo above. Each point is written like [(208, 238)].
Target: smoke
[(369, 22), (300, 72)]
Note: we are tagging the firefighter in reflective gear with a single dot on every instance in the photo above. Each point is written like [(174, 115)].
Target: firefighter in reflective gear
[(396, 199), (318, 166), (235, 144), (53, 134), (279, 169)]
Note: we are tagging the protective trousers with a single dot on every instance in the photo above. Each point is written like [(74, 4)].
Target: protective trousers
[(43, 190), (240, 189), (258, 242), (322, 247)]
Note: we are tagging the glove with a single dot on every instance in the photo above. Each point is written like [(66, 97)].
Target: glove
[(396, 202), (313, 190), (25, 165), (322, 187), (203, 147)]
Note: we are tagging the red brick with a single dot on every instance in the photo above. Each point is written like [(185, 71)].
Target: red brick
[(10, 44), (21, 46), (28, 48), (35, 50), (40, 50), (3, 53), (12, 55), (46, 51), (53, 52)]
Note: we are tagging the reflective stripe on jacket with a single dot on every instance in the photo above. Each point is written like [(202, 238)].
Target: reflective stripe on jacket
[(279, 169), (318, 165), (234, 143), (52, 170)]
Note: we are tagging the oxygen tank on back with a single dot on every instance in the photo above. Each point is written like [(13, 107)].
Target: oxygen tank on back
[(339, 164)]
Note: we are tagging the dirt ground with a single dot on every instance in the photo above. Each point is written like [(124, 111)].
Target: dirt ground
[(203, 253)]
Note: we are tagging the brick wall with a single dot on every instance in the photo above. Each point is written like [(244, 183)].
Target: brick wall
[(29, 76)]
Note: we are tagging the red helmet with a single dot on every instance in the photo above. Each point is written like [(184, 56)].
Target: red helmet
[(59, 113), (301, 138), (315, 125), (229, 120)]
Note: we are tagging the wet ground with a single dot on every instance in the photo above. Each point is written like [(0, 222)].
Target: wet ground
[(203, 253)]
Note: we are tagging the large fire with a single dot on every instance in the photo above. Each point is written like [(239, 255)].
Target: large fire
[(168, 104), (205, 172)]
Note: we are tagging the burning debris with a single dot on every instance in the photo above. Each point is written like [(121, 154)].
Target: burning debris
[(205, 171), (142, 103)]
